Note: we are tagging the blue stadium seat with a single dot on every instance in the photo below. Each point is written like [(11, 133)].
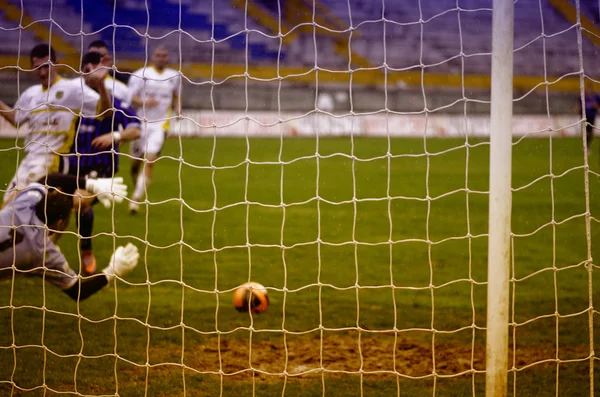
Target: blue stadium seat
[(164, 16), (429, 34)]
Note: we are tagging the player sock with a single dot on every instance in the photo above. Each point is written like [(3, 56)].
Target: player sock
[(141, 185), (135, 173), (85, 227)]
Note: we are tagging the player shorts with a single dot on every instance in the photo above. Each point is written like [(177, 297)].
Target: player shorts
[(151, 141), (34, 167)]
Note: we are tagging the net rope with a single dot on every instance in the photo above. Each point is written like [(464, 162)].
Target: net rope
[(214, 129)]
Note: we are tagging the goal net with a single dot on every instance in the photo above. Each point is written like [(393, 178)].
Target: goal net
[(336, 152)]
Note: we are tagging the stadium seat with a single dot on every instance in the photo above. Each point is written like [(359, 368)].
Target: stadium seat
[(431, 34)]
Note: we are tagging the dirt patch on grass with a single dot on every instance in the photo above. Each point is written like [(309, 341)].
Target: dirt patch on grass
[(302, 355), (306, 355)]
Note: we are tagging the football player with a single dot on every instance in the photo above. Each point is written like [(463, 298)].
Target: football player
[(95, 150), (36, 212), (156, 94), (50, 110)]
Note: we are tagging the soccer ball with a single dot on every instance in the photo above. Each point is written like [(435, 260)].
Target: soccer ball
[(252, 296)]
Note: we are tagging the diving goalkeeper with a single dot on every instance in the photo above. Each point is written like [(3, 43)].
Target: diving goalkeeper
[(40, 210)]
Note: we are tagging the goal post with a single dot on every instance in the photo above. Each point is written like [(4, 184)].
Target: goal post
[(500, 199)]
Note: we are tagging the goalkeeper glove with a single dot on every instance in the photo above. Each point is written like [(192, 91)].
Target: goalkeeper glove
[(107, 189), (122, 261)]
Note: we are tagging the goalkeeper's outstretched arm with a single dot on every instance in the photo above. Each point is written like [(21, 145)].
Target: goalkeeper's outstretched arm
[(123, 261), (83, 289)]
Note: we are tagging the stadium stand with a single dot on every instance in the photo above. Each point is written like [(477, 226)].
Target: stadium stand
[(228, 38), (590, 8), (443, 36), (63, 21), (12, 37), (139, 29)]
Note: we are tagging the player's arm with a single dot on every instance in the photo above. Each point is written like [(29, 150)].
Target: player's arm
[(17, 114), (8, 113), (105, 190), (134, 85), (176, 104), (131, 132), (139, 97), (83, 289), (131, 125), (143, 100), (124, 117), (122, 262), (139, 102), (106, 141), (105, 103), (95, 81)]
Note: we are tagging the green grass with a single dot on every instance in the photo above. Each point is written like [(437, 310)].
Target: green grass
[(207, 230)]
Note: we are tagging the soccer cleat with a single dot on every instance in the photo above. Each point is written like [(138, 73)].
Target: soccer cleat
[(88, 260), (133, 207)]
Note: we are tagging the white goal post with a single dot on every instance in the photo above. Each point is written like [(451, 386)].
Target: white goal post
[(500, 200)]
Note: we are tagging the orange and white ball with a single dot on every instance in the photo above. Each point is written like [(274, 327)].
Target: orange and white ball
[(251, 297)]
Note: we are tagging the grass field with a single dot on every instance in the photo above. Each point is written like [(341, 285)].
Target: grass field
[(342, 274)]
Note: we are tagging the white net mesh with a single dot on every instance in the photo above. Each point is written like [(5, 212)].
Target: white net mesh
[(337, 153)]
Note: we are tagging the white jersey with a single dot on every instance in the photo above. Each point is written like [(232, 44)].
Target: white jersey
[(24, 241), (115, 88), (119, 90), (51, 114), (149, 82)]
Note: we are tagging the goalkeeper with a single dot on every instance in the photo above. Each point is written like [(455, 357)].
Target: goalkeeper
[(37, 211)]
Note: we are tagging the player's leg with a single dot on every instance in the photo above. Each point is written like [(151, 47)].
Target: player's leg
[(143, 181), (85, 226), (134, 206), (32, 169), (149, 167), (154, 144), (136, 164), (18, 182), (137, 153)]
